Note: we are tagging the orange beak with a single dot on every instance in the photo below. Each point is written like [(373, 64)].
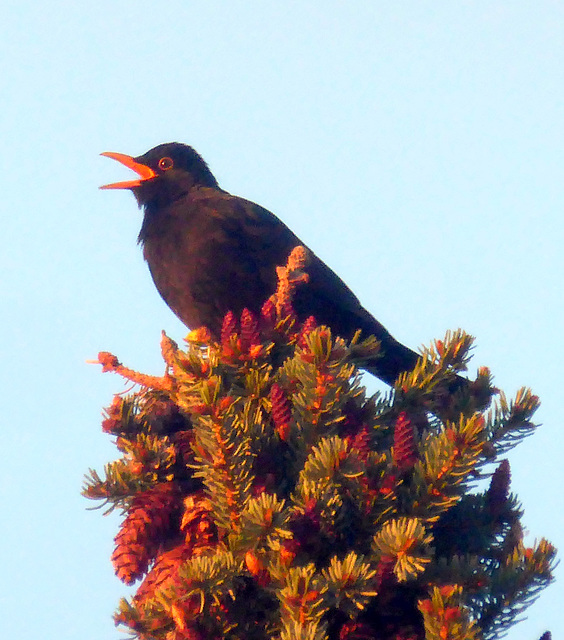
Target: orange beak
[(144, 172)]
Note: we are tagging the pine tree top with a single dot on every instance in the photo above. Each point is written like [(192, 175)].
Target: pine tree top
[(266, 495)]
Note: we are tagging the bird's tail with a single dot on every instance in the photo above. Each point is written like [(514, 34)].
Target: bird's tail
[(394, 359)]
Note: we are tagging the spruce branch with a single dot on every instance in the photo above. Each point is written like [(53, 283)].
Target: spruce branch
[(265, 495), (448, 457), (264, 523), (301, 600), (109, 362), (147, 461), (509, 422), (438, 362), (407, 541), (515, 584), (350, 583), (445, 616)]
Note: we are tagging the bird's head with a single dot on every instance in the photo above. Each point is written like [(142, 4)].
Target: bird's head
[(166, 172)]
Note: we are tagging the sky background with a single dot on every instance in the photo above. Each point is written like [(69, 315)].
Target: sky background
[(417, 147)]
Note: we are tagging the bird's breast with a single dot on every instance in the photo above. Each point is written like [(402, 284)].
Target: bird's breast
[(202, 267)]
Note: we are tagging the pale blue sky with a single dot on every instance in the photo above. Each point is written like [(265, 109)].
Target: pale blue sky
[(418, 147)]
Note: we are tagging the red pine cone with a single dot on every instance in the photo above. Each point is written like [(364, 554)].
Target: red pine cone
[(281, 411), (228, 328), (307, 327), (268, 316), (361, 442), (164, 573), (497, 494), (404, 454), (143, 531), (250, 335)]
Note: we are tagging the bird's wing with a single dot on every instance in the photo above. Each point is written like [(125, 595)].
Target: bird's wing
[(259, 241), (251, 237)]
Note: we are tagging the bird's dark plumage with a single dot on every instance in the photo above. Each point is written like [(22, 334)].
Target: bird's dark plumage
[(210, 252)]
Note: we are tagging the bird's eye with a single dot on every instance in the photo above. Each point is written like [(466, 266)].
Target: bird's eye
[(165, 163)]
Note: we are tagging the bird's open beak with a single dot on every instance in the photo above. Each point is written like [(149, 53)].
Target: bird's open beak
[(144, 172)]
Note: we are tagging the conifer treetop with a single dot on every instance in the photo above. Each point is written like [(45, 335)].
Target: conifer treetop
[(265, 495)]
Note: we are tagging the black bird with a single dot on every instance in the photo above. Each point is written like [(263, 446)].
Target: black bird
[(210, 252)]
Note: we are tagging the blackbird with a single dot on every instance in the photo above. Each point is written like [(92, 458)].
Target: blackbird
[(210, 252)]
